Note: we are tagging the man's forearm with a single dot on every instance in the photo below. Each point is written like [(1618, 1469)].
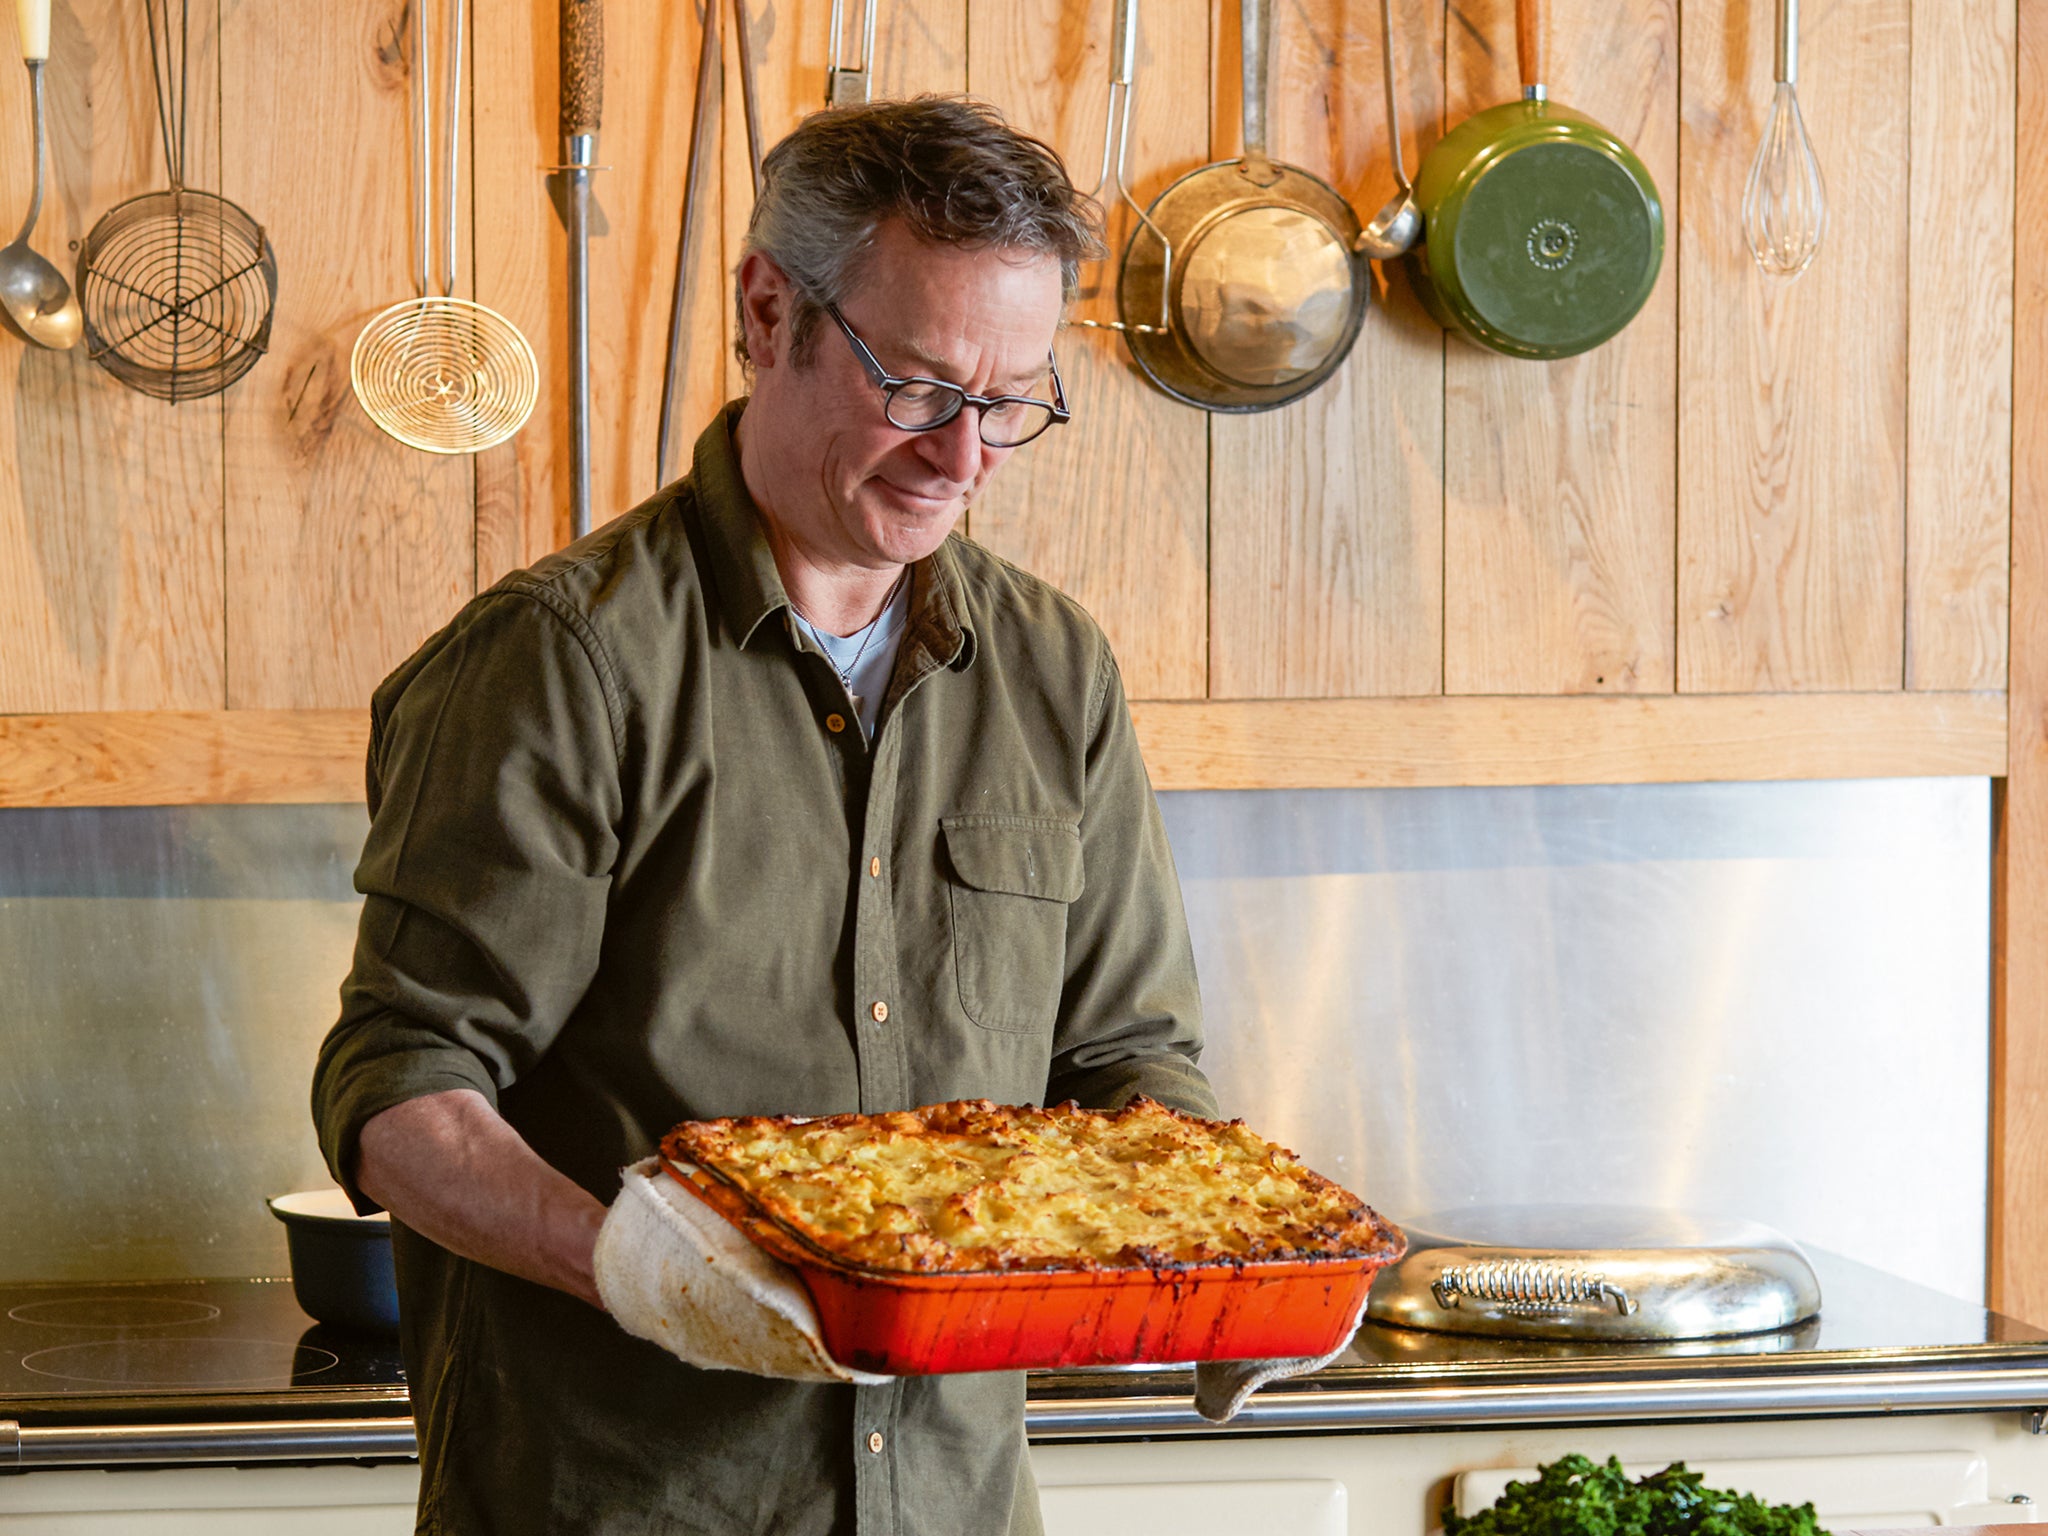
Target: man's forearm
[(449, 1167)]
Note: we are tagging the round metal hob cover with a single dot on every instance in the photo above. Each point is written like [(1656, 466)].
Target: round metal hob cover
[(1594, 1272)]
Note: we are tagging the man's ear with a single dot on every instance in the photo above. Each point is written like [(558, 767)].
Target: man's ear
[(766, 299)]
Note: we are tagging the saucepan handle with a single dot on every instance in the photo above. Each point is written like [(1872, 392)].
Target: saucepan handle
[(1532, 39), (1256, 18)]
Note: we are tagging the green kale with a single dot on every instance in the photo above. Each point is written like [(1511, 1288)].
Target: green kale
[(1574, 1496)]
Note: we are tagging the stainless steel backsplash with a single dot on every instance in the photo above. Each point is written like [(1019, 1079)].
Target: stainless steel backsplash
[(1768, 1000)]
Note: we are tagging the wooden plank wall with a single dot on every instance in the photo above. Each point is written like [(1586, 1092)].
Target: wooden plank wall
[(1757, 488)]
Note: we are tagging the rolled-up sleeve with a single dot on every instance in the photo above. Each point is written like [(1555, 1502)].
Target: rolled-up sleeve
[(494, 797), (1131, 1010)]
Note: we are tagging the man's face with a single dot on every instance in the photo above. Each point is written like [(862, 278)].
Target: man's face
[(847, 483)]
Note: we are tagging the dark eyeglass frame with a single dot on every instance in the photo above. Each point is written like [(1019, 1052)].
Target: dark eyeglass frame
[(889, 383)]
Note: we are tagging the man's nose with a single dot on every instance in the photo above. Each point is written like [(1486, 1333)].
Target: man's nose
[(955, 449)]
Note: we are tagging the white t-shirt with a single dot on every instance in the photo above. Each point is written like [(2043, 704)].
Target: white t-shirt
[(865, 659)]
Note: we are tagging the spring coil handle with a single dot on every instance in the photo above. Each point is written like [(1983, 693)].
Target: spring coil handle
[(1523, 1284)]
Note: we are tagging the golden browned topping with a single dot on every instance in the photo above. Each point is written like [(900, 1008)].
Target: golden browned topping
[(979, 1186)]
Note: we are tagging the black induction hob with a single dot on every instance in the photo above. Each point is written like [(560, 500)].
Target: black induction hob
[(227, 1348)]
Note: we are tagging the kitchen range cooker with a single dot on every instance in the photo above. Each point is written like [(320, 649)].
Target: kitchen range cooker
[(95, 1373), (232, 1375)]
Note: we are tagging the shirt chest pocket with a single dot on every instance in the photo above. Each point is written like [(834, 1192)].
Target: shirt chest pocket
[(1010, 880)]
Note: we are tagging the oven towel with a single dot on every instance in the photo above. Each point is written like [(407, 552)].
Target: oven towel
[(673, 1271), (1222, 1386)]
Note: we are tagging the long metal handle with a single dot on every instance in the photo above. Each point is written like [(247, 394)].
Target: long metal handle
[(458, 40), (1256, 23), (35, 196), (1393, 95), (109, 1445), (34, 16), (846, 87), (1532, 42), (694, 176), (1788, 42), (582, 57), (743, 44)]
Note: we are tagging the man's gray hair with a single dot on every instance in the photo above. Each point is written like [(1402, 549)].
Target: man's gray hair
[(948, 166)]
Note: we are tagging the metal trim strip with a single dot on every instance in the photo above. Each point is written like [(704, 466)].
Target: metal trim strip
[(1467, 1407), (104, 1445), (1783, 1396)]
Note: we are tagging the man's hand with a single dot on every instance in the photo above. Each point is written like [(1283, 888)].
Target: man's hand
[(449, 1167)]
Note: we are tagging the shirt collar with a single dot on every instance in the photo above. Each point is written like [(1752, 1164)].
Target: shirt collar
[(743, 565)]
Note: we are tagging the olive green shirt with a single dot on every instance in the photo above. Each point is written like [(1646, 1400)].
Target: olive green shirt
[(631, 862)]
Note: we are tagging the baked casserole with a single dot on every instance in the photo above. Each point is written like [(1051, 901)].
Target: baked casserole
[(973, 1186)]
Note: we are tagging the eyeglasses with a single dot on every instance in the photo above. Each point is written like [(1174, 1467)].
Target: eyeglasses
[(918, 404)]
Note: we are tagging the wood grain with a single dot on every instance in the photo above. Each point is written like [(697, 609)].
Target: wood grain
[(345, 549), (1791, 460), (2018, 1266), (1507, 740), (1559, 512), (1326, 569), (194, 757), (315, 756), (110, 501), (1959, 371), (1113, 507)]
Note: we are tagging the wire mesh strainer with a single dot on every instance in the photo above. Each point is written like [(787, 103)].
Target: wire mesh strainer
[(176, 287), (437, 372)]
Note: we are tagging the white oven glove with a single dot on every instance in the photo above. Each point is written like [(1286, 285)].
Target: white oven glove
[(1222, 1386), (673, 1271)]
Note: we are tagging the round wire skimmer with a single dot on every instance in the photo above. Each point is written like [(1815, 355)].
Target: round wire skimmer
[(437, 372), (176, 287)]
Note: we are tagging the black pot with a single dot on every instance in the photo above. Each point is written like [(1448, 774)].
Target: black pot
[(341, 1262)]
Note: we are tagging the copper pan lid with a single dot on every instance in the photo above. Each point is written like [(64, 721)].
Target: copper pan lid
[(1594, 1272)]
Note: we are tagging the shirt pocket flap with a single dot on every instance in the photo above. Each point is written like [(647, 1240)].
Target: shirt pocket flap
[(1018, 855)]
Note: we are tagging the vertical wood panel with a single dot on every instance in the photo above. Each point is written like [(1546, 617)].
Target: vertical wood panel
[(345, 548), (1327, 514), (110, 501), (2019, 1055), (1959, 425), (1792, 445), (1111, 508), (1559, 508), (644, 141)]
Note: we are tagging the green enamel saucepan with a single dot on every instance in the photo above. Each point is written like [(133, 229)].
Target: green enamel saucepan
[(1542, 231)]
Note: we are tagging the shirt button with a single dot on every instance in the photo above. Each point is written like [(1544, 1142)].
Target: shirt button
[(875, 1442), (880, 1012), (875, 867), (835, 723)]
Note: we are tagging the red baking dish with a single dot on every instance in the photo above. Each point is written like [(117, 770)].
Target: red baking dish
[(899, 1324)]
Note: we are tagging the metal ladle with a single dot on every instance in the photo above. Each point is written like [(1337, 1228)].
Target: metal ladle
[(1396, 227), (35, 301)]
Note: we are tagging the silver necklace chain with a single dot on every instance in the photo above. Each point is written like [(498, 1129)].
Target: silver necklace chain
[(867, 636)]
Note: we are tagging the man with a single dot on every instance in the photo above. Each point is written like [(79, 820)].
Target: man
[(657, 837)]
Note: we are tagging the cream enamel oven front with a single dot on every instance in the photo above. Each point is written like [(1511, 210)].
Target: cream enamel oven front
[(1870, 1473)]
